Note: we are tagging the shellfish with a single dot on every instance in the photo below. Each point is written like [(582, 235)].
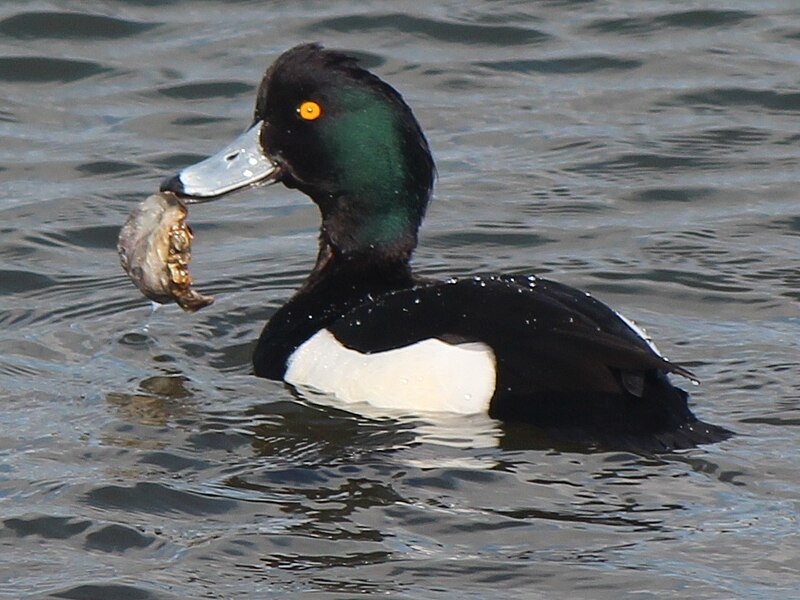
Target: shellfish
[(155, 249)]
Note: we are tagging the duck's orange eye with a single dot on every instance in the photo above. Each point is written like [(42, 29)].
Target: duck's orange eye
[(309, 110)]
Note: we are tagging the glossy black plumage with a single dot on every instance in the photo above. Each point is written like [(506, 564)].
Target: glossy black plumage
[(564, 361)]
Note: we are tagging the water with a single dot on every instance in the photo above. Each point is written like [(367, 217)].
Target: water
[(645, 151)]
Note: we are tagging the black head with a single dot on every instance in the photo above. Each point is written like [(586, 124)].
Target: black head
[(335, 131)]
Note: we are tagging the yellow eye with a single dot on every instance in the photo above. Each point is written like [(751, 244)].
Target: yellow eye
[(309, 110)]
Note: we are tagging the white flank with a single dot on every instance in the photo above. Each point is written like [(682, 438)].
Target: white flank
[(430, 375), (641, 333)]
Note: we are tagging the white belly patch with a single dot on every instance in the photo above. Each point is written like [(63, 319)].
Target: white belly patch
[(430, 375)]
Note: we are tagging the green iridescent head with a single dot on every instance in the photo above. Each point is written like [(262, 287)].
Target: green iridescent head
[(349, 141)]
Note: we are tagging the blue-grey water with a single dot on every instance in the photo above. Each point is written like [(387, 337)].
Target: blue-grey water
[(645, 151)]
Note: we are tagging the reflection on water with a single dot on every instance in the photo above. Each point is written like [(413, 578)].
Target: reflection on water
[(647, 153), (160, 402)]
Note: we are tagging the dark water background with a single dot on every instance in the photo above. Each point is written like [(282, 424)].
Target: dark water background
[(646, 151)]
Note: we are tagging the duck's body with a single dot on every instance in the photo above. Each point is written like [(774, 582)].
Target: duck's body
[(364, 328)]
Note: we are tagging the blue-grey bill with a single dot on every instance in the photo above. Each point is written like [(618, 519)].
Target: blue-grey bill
[(240, 164)]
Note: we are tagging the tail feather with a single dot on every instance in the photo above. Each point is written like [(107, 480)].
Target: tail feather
[(692, 434)]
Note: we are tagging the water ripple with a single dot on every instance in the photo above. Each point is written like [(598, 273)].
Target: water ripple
[(16, 282), (48, 527), (645, 162), (717, 139), (719, 99), (442, 31), (69, 25), (117, 538), (46, 69), (156, 498), (94, 591), (691, 19), (577, 64), (211, 89)]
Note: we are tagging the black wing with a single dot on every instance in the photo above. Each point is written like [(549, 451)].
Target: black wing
[(563, 358), (507, 313)]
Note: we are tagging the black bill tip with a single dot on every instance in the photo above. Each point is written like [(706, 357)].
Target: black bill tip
[(173, 184)]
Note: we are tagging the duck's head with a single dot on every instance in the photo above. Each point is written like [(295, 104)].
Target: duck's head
[(335, 131)]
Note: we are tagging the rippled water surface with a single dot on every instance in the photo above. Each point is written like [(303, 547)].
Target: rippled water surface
[(646, 151)]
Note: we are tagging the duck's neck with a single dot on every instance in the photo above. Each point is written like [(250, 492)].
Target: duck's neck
[(342, 262), (379, 225), (338, 283)]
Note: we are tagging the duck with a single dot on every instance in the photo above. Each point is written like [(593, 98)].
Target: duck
[(363, 327)]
